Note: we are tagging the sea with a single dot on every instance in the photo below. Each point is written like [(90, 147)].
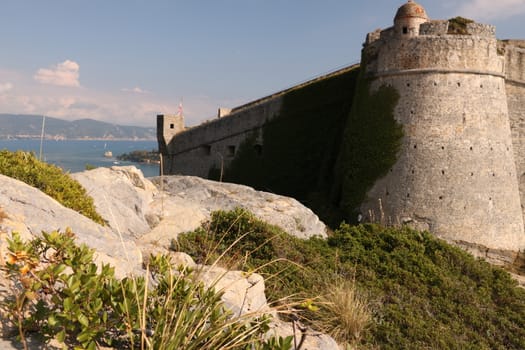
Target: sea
[(74, 155)]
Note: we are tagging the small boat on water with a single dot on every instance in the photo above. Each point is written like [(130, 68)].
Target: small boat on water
[(108, 154)]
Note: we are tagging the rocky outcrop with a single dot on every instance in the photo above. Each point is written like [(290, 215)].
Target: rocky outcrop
[(29, 212), (188, 200), (143, 216), (155, 211), (122, 196)]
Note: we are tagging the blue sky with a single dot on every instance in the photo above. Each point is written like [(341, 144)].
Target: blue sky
[(126, 61)]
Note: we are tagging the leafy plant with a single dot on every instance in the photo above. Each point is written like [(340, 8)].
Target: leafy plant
[(60, 292), (24, 166)]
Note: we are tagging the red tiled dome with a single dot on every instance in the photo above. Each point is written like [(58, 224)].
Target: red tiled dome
[(411, 10)]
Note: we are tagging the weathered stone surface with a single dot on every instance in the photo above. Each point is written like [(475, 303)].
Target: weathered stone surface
[(242, 293), (313, 340), (30, 212), (189, 197), (121, 195)]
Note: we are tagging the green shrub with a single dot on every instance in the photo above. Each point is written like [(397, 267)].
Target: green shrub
[(424, 293), (49, 179), (60, 293)]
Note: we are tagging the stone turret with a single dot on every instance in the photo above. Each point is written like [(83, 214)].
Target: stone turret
[(455, 174), (408, 18)]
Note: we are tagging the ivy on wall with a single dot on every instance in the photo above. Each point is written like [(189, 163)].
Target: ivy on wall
[(301, 143), (371, 142), (328, 145)]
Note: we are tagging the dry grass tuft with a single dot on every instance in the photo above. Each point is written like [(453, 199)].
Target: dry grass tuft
[(344, 313)]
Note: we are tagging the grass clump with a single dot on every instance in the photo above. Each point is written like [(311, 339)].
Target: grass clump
[(24, 166), (421, 291), (59, 292)]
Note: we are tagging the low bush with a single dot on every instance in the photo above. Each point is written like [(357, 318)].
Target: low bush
[(24, 166), (422, 292)]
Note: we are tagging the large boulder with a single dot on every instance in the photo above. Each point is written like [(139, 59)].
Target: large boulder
[(121, 196)]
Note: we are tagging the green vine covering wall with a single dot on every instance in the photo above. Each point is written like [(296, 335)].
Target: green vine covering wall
[(371, 142), (303, 154), (300, 145)]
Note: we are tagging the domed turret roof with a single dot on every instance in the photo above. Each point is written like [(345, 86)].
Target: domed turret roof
[(411, 10)]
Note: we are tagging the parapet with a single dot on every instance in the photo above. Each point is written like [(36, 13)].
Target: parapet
[(435, 27), (481, 30)]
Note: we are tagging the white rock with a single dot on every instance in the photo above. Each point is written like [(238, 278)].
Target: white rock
[(121, 196), (30, 212)]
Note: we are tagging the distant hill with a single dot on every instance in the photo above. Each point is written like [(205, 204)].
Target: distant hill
[(17, 126)]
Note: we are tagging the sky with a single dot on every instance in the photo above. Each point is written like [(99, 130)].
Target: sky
[(125, 61)]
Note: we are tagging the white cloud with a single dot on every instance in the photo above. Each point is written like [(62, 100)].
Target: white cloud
[(5, 87), (63, 74), (138, 107), (490, 10), (136, 90)]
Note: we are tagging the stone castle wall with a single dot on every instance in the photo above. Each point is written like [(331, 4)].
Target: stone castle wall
[(455, 174), (214, 144), (514, 52)]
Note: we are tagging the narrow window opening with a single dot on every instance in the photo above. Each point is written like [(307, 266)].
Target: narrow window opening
[(459, 84), (405, 30), (231, 151), (408, 195), (172, 126), (442, 172)]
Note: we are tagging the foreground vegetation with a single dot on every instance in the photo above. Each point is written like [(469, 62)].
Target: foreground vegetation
[(422, 292), (50, 179), (59, 293)]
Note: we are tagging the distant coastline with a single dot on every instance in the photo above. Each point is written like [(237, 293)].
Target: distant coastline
[(32, 127)]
